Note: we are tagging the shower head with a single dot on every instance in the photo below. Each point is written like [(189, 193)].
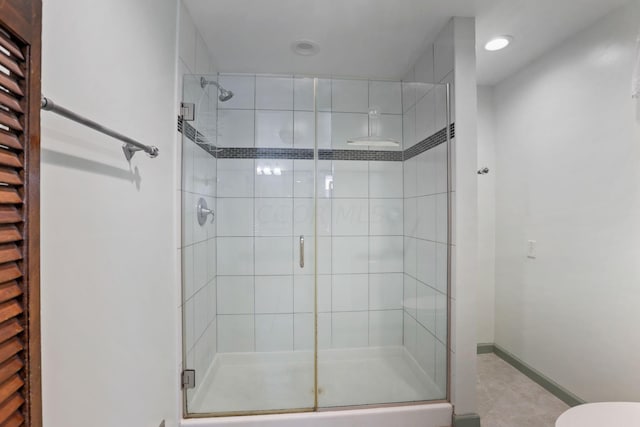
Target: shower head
[(225, 95)]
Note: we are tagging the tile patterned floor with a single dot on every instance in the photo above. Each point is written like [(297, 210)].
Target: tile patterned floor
[(507, 398)]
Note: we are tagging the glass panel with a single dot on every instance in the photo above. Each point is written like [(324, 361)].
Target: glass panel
[(259, 355), (382, 242)]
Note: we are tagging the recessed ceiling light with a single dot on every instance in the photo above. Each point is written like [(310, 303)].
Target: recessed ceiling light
[(498, 43), (305, 47)]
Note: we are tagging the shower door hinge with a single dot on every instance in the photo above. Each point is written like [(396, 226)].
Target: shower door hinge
[(188, 378), (188, 111)]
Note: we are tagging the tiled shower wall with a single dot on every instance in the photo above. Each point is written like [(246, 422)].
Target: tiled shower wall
[(265, 203), (425, 206), (198, 246)]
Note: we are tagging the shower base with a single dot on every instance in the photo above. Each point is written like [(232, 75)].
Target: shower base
[(247, 382)]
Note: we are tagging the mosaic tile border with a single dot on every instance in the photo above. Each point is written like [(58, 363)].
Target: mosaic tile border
[(307, 153)]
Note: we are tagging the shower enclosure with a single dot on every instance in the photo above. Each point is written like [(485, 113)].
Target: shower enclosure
[(315, 270)]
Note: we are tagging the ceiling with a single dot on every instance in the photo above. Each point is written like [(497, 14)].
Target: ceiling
[(380, 38)]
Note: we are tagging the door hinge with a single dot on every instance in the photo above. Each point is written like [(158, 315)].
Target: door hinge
[(188, 378), (188, 111)]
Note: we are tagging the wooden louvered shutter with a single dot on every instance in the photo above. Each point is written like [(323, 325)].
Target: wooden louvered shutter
[(20, 34)]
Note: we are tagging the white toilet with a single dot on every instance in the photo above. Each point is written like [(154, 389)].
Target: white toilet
[(604, 414)]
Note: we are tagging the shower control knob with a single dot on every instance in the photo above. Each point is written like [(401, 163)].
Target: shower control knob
[(203, 212)]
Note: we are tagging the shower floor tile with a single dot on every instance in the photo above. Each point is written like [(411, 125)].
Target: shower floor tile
[(241, 382)]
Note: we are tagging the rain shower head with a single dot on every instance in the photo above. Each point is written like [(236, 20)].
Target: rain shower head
[(225, 95)]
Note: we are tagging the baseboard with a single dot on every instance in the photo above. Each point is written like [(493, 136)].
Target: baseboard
[(466, 420), (485, 348), (545, 382)]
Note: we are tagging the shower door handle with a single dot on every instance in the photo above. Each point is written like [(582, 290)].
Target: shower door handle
[(301, 251)]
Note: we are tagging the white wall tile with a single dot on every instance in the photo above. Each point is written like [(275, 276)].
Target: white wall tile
[(385, 328), (303, 215), (235, 177), (426, 217), (323, 96), (426, 116), (303, 129), (345, 126), (410, 177), (235, 128), (235, 256), (440, 153), (201, 311), (409, 335), (390, 126), (275, 178), (426, 306), (410, 256), (325, 255), (274, 216), (188, 279), (274, 93), (324, 330), (385, 291), (441, 217), (274, 129), (350, 217), (441, 368), (235, 333), (303, 178), (409, 129), (234, 216), (350, 292), (350, 178), (204, 172), (212, 257), (235, 295), (200, 264), (274, 332), (350, 255), (386, 97), (386, 254), (303, 294), (303, 94), (425, 350), (426, 264), (274, 294), (426, 173), (350, 96), (385, 179), (303, 333), (273, 255), (408, 92), (386, 216), (325, 284), (243, 88), (441, 317), (410, 295), (410, 213), (325, 179), (189, 324), (441, 267), (350, 329)]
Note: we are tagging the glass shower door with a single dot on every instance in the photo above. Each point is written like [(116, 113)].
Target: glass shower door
[(256, 147), (383, 242)]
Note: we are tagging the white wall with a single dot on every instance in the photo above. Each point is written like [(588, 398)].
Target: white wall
[(486, 216), (568, 168), (109, 235)]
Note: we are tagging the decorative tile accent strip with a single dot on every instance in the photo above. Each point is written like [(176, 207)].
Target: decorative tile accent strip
[(430, 142), (265, 153), (370, 155), (307, 153)]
